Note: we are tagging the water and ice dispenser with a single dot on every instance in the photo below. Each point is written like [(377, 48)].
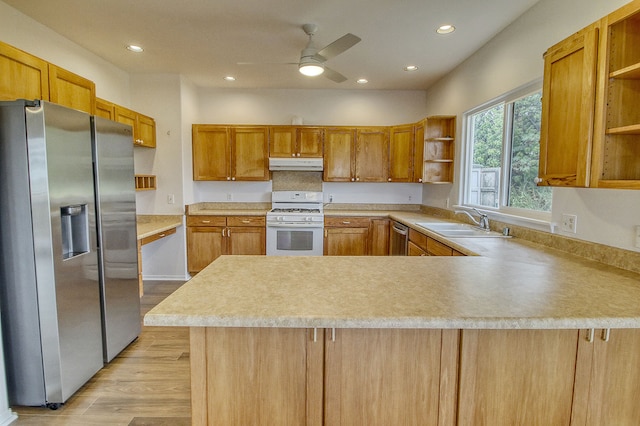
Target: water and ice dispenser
[(75, 230)]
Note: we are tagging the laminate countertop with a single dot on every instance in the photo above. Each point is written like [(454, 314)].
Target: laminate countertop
[(149, 225), (532, 288)]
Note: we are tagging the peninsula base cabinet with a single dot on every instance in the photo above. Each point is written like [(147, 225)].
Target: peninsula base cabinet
[(294, 376), (281, 376)]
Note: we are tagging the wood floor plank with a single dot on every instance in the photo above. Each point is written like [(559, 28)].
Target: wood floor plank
[(147, 384)]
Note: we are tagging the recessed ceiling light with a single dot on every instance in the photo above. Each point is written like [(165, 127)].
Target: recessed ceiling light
[(229, 78), (411, 68), (446, 29), (134, 48), (362, 81)]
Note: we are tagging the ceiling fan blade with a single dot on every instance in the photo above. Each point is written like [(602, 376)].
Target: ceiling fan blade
[(334, 75), (337, 47)]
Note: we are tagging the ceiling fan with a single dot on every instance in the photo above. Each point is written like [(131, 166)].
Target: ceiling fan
[(312, 60)]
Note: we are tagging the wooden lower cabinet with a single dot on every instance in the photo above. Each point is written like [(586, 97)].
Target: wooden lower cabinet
[(608, 378), (209, 237), (517, 377), (256, 376), (280, 376), (421, 245), (384, 376), (356, 236)]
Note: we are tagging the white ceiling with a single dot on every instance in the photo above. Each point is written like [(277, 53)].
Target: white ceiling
[(205, 39)]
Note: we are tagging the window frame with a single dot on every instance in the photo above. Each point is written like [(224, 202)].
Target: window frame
[(503, 211)]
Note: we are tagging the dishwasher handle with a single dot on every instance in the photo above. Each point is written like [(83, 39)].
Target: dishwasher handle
[(401, 231)]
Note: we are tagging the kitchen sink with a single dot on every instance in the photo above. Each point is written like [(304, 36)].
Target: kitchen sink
[(459, 230)]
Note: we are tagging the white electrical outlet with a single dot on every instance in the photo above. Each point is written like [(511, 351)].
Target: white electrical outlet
[(229, 196), (638, 236), (171, 199), (569, 222)]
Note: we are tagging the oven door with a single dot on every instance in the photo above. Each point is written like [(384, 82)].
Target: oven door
[(289, 239)]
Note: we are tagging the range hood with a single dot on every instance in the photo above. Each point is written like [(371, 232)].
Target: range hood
[(298, 164)]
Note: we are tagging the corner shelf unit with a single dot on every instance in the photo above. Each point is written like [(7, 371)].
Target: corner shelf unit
[(439, 149), (620, 159), (145, 182)]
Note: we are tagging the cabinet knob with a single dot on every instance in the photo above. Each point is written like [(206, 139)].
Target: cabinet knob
[(537, 180), (228, 177), (353, 179), (293, 155), (233, 178), (298, 155), (357, 179), (389, 180), (420, 180)]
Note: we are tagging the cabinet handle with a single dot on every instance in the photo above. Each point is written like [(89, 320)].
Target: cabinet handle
[(346, 222), (162, 235), (605, 334), (228, 232), (315, 335), (205, 221), (333, 334), (223, 229), (325, 233), (246, 221), (590, 335)]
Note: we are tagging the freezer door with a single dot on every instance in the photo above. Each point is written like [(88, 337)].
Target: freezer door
[(116, 209), (61, 180)]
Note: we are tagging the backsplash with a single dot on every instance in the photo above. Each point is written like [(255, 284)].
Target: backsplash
[(296, 181)]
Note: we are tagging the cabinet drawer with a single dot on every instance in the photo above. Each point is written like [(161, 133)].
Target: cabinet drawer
[(347, 222), (246, 221), (436, 248), (206, 221), (155, 237), (418, 239)]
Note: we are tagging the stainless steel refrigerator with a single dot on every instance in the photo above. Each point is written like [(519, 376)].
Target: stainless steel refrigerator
[(56, 313)]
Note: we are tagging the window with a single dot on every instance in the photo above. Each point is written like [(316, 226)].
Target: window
[(503, 150)]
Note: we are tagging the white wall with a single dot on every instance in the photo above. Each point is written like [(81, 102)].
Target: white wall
[(510, 60)]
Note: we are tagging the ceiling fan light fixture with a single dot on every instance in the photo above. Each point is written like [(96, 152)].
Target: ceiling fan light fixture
[(310, 67)]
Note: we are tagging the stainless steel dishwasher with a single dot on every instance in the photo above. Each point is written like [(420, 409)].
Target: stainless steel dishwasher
[(399, 239)]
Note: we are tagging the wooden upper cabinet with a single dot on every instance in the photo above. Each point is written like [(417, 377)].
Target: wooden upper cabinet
[(22, 76), (291, 141), (211, 152), (144, 127), (105, 109), (568, 105), (71, 90), (616, 151), (418, 151), (249, 153), (401, 153), (372, 154), (339, 154)]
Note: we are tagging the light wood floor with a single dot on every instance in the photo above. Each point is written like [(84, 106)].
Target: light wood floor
[(147, 384)]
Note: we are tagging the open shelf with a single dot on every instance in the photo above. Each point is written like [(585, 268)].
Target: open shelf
[(632, 72), (145, 182), (625, 130)]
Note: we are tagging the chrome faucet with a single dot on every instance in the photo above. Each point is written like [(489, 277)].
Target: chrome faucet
[(482, 222)]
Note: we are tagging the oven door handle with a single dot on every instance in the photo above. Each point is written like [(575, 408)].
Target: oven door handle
[(309, 225)]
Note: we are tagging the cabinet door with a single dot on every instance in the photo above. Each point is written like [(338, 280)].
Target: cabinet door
[(382, 377), (146, 131), (414, 250), (247, 240), (346, 241), (568, 104), (401, 144), (204, 245), (339, 155), (71, 90), (615, 381), (372, 155), (517, 377), (249, 153), (211, 152), (282, 141), (105, 109), (22, 76), (380, 237), (418, 152), (310, 141), (126, 116), (256, 376)]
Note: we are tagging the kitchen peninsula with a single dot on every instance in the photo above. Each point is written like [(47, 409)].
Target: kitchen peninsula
[(411, 340)]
